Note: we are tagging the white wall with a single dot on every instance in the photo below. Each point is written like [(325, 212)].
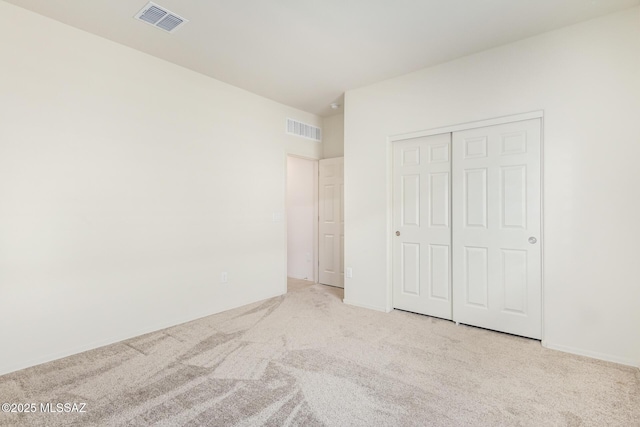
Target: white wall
[(127, 185), (301, 216), (586, 78), (333, 136)]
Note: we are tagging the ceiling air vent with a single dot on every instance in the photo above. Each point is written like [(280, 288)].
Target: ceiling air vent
[(304, 130), (160, 17)]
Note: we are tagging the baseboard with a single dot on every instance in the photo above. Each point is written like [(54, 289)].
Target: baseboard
[(300, 278), (370, 307), (592, 354), (332, 286), (123, 337)]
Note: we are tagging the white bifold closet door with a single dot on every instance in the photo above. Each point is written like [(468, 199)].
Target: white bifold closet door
[(421, 212), (331, 222), (466, 218), (496, 228)]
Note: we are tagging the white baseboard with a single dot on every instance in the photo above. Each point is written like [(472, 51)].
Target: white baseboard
[(119, 338), (370, 307), (592, 354), (300, 278)]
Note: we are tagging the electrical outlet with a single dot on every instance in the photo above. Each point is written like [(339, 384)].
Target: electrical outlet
[(224, 277), (348, 273)]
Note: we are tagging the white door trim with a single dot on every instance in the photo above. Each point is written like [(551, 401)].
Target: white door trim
[(315, 215), (450, 129), (470, 125)]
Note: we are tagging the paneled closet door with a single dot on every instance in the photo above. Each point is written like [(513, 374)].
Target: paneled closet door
[(496, 228), (422, 225)]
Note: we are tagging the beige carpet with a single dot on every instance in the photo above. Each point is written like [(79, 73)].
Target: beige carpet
[(306, 359)]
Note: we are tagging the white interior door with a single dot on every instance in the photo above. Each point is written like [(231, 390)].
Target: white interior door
[(496, 228), (331, 227), (421, 217)]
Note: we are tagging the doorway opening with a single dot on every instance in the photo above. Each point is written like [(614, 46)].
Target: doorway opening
[(302, 218)]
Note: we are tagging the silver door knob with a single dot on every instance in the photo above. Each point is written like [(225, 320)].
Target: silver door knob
[(532, 240), (397, 233)]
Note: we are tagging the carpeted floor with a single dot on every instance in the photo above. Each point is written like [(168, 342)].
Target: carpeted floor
[(307, 359)]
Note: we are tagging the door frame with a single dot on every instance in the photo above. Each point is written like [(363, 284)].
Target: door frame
[(314, 254), (391, 139)]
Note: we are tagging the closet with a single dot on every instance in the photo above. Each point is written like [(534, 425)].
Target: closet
[(467, 223)]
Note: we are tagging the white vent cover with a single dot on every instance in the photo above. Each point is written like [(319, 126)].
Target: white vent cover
[(160, 17), (304, 130)]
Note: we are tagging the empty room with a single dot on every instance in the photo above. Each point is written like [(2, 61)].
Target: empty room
[(319, 213)]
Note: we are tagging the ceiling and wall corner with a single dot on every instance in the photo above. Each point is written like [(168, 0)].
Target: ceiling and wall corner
[(333, 140), (307, 54)]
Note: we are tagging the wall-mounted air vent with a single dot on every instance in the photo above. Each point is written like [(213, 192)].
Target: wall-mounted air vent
[(304, 130), (160, 17)]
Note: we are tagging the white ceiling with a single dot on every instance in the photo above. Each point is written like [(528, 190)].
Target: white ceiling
[(307, 53)]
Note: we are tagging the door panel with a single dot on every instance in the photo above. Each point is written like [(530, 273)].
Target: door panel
[(438, 200), (514, 273), (513, 196), (421, 215), (331, 222), (439, 275), (329, 203), (410, 194), (411, 268), (329, 253), (475, 198), (476, 270), (496, 209)]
